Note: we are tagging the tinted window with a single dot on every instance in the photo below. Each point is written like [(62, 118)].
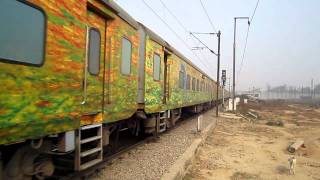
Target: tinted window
[(194, 84), (188, 82), (94, 52), (197, 85), (156, 67), (182, 75), (126, 56), (22, 33)]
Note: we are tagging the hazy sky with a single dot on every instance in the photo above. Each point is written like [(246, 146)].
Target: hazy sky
[(283, 45)]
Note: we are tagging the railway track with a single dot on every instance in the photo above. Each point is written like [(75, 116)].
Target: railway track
[(85, 174)]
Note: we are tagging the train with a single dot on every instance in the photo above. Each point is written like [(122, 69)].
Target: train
[(74, 73)]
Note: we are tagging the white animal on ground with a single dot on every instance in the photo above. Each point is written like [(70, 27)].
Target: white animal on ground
[(292, 165)]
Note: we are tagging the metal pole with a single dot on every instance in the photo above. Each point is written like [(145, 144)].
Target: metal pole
[(218, 73), (234, 58), (223, 98), (229, 80), (311, 89), (234, 63)]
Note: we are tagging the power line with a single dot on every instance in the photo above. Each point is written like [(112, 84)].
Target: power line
[(244, 52), (175, 33), (203, 44), (175, 17), (254, 12), (246, 41), (184, 27), (212, 25), (206, 12)]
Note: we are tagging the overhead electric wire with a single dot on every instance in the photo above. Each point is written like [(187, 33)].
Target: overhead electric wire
[(175, 33), (254, 12), (246, 41), (175, 17), (206, 12), (244, 52), (203, 44), (183, 26)]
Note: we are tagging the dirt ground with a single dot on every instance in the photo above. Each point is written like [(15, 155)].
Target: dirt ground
[(240, 149)]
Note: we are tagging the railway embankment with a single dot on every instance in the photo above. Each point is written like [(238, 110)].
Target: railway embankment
[(161, 157)]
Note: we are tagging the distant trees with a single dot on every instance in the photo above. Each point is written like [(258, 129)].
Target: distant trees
[(294, 91), (317, 89)]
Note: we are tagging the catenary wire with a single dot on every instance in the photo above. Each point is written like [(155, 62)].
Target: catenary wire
[(246, 41), (183, 26), (176, 34), (206, 12), (254, 12)]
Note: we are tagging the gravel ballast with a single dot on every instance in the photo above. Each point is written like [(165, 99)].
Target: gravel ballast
[(152, 160)]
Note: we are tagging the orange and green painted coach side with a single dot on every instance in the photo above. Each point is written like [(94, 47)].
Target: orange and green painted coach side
[(60, 94)]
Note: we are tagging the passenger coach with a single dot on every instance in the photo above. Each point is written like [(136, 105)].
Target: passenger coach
[(74, 74)]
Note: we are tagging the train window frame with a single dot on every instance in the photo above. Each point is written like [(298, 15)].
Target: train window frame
[(94, 73), (44, 39), (182, 77), (197, 88), (194, 84), (122, 56), (202, 86), (188, 82), (158, 78)]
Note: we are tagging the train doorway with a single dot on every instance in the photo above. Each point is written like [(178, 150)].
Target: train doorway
[(166, 78), (94, 68)]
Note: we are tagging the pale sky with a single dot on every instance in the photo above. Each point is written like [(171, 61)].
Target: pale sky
[(283, 44)]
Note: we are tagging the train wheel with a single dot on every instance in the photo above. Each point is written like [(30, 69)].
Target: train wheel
[(28, 163)]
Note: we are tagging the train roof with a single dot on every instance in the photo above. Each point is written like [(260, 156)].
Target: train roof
[(122, 13), (129, 19), (164, 43)]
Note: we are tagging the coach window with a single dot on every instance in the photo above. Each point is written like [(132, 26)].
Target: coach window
[(188, 82), (197, 84), (182, 75), (22, 34), (126, 56), (193, 84), (156, 67), (94, 51)]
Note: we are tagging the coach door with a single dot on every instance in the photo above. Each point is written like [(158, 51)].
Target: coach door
[(94, 67), (166, 79)]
